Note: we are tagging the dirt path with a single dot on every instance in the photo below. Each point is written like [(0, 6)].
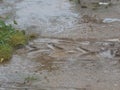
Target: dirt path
[(75, 49)]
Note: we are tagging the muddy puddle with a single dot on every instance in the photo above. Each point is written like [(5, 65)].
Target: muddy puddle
[(75, 50)]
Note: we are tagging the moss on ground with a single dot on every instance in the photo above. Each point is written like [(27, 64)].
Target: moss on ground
[(5, 52), (18, 38)]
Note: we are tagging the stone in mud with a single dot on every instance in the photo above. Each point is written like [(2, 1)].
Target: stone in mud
[(117, 53)]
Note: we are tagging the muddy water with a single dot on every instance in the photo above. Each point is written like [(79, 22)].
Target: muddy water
[(44, 16), (70, 54)]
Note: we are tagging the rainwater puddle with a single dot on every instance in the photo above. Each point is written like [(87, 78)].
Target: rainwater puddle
[(106, 54), (110, 20), (40, 15), (104, 3), (113, 40), (53, 16)]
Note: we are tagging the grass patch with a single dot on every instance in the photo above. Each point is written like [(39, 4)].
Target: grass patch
[(17, 38), (5, 52), (9, 39)]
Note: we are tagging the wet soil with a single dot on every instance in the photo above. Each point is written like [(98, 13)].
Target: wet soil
[(75, 49)]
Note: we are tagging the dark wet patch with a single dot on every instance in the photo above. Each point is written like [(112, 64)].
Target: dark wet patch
[(93, 19), (47, 63)]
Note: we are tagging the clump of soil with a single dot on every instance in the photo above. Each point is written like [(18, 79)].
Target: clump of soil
[(32, 36), (93, 19)]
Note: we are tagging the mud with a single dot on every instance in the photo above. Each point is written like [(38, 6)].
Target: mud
[(76, 49)]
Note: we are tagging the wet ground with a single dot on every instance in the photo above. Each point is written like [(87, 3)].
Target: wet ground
[(77, 49)]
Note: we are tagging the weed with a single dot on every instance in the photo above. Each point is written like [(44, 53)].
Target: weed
[(5, 32), (5, 52), (30, 78), (9, 39)]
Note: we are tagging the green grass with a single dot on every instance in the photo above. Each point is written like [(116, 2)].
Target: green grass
[(9, 39), (5, 52)]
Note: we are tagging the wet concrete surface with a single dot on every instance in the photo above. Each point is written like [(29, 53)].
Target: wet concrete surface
[(75, 50)]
